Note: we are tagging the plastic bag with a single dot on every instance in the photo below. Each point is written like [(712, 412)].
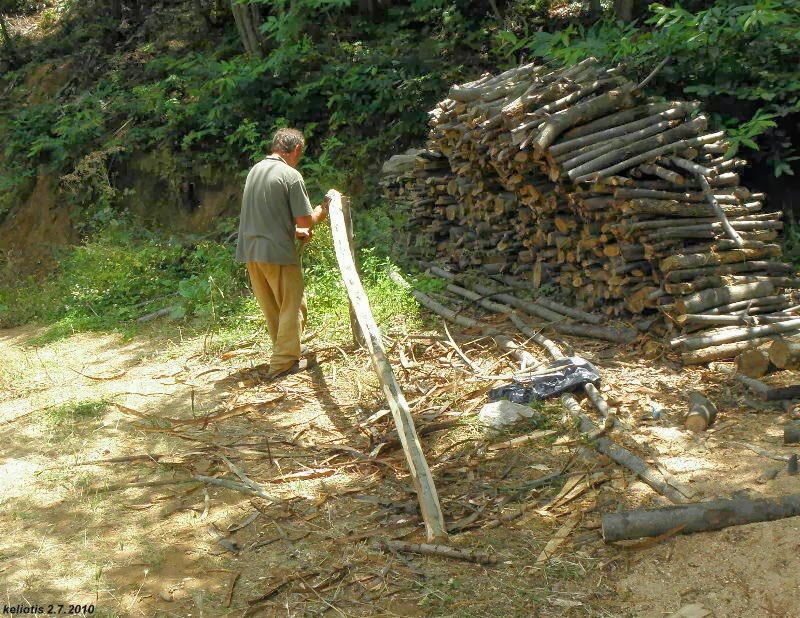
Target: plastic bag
[(558, 377)]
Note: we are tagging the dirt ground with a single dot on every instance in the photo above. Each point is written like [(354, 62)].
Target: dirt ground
[(101, 503)]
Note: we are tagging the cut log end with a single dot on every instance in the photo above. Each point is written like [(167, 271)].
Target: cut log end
[(702, 412)]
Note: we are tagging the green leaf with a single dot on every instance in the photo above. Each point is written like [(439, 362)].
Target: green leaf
[(177, 313)]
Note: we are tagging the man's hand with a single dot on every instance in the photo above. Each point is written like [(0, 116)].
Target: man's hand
[(303, 233), (320, 212)]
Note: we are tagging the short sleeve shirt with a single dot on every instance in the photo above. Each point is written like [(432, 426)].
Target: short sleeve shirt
[(274, 195)]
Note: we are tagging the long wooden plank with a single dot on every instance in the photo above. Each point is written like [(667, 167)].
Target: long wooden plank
[(420, 472), (358, 336)]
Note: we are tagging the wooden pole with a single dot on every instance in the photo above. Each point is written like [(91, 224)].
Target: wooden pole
[(418, 466)]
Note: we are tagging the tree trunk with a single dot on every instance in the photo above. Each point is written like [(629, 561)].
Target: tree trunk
[(8, 42), (595, 10), (371, 8), (247, 22), (623, 10), (201, 15)]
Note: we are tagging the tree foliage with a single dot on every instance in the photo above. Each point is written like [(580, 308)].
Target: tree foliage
[(740, 57)]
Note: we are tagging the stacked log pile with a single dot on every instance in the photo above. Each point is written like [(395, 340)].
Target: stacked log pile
[(627, 203)]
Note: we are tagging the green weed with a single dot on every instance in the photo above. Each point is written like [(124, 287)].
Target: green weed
[(75, 412)]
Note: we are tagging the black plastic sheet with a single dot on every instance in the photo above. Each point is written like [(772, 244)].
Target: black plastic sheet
[(558, 377)]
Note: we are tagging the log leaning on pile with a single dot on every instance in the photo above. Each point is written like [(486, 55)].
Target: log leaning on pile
[(573, 175)]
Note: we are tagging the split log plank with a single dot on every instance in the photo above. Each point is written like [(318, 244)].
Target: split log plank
[(420, 472)]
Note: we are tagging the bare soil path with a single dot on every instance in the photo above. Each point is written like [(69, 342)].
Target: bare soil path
[(102, 440)]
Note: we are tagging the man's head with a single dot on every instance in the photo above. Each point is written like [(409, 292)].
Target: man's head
[(289, 144)]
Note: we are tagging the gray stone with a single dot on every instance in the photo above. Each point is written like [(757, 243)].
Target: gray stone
[(500, 414)]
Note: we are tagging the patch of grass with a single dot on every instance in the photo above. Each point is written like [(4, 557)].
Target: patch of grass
[(154, 556), (123, 273), (117, 276), (75, 412)]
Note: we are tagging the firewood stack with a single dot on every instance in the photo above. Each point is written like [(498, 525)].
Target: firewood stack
[(626, 202)]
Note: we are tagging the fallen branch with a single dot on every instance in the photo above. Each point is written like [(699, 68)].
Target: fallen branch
[(766, 392), (518, 441), (554, 312), (156, 314), (233, 485), (444, 551)]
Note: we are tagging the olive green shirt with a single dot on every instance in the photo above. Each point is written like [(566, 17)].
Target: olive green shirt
[(274, 195)]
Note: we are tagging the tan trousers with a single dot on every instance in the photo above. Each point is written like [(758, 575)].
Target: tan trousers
[(279, 290)]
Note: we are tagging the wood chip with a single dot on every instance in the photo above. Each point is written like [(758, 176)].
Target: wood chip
[(558, 539)]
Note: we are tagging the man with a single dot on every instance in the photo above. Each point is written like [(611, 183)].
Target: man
[(276, 212)]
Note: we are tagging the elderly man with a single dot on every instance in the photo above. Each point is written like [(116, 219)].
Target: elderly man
[(276, 214)]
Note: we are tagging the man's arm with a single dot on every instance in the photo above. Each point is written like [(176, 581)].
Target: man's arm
[(304, 225)]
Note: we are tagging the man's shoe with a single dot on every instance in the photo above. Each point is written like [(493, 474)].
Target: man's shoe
[(280, 372)]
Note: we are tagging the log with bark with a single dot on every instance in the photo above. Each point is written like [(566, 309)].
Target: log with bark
[(720, 352), (701, 414), (767, 392), (697, 517), (736, 334)]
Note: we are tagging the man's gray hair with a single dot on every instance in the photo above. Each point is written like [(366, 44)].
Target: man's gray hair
[(286, 140)]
